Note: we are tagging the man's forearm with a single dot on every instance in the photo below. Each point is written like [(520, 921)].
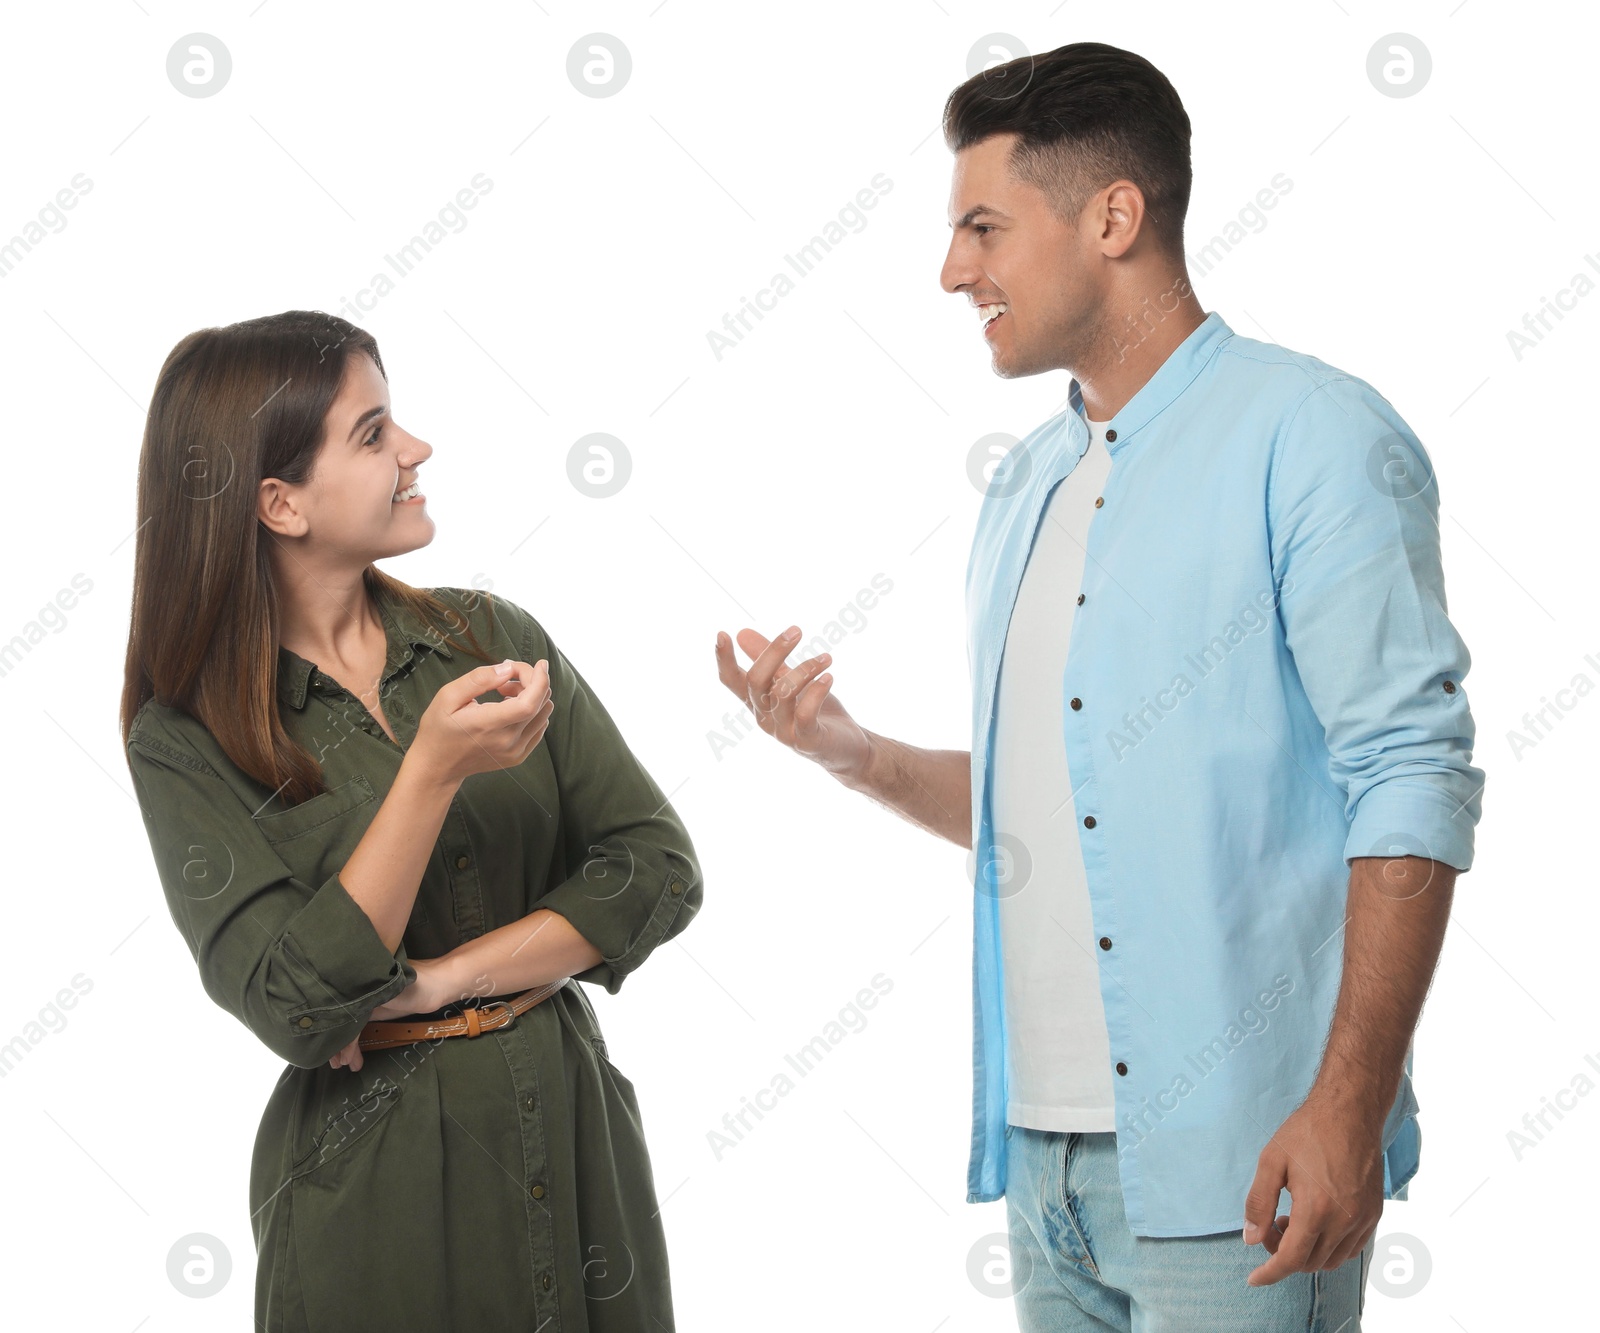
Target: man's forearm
[(1396, 916), (930, 788)]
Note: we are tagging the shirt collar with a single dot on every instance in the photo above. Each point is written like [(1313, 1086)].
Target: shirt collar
[(1171, 378), (402, 629)]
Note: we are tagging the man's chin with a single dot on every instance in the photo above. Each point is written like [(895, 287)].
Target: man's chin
[(1010, 367)]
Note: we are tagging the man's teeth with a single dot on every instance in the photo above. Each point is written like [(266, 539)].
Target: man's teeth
[(993, 311), (410, 493)]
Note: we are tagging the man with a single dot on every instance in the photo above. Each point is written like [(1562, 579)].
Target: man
[(1221, 787)]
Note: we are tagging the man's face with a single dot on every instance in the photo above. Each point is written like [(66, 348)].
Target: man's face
[(1010, 252)]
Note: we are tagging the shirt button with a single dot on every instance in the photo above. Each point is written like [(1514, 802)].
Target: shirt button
[(1099, 500), (1077, 704), (1080, 599), (545, 1282), (677, 886), (530, 1103), (1111, 436), (537, 1191), (1105, 941), (461, 863), (1121, 1068), (1088, 821), (306, 1021), (1449, 687)]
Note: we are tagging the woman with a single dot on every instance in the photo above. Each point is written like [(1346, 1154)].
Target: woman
[(369, 802)]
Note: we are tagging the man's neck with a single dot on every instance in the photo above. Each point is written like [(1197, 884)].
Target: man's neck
[(1136, 344)]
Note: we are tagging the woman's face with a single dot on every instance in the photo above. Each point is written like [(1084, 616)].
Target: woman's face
[(347, 507)]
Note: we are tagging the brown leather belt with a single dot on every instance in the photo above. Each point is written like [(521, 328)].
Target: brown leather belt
[(471, 1023)]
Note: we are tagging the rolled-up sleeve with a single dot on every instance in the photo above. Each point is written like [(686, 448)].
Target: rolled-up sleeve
[(630, 880), (301, 966), (1353, 509)]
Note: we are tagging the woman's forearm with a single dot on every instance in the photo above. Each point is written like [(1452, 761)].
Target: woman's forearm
[(540, 947), (385, 871)]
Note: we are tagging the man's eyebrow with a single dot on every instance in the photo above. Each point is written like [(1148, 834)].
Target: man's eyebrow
[(365, 417), (977, 210)]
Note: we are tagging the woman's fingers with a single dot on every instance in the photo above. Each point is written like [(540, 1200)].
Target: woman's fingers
[(348, 1056)]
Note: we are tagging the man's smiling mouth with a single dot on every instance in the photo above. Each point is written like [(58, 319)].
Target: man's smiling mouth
[(991, 311)]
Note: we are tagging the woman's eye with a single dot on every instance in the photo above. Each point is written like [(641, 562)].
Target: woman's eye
[(376, 434)]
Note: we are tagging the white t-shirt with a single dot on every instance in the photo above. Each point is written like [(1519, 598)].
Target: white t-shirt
[(1057, 1045)]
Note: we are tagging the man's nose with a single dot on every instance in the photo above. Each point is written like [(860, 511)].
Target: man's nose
[(956, 273)]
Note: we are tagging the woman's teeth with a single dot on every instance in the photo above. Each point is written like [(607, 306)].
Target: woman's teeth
[(410, 493)]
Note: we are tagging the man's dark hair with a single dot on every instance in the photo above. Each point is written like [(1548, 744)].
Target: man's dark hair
[(1085, 114)]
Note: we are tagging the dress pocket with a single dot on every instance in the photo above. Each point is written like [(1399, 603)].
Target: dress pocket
[(320, 810), (336, 1128)]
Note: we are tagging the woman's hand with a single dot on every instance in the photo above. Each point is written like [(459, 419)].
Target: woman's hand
[(433, 989), (457, 736)]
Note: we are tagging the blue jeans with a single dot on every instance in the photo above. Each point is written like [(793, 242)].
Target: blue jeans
[(1077, 1267)]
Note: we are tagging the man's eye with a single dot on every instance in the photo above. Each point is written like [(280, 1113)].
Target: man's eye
[(983, 227)]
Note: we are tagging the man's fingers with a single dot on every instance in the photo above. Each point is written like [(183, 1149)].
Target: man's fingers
[(1293, 1251), (1353, 1244), (728, 670), (809, 704), (1261, 1202), (768, 665), (787, 692)]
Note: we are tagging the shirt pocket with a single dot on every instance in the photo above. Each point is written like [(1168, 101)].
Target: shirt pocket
[(316, 837)]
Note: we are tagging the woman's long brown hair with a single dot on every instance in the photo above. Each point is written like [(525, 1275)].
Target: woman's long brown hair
[(233, 406)]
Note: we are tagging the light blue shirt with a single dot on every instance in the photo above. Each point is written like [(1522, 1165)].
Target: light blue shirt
[(1262, 683)]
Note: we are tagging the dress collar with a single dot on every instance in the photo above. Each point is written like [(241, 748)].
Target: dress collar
[(402, 629)]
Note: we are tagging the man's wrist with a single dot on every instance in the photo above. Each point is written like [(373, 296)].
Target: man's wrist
[(1359, 1098), (862, 778)]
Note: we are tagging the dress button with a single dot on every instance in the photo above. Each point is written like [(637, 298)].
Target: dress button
[(461, 863), (537, 1191), (1105, 941), (306, 1021), (1111, 437), (1121, 1068), (1099, 500), (1077, 704), (1088, 821), (1080, 599), (1449, 687)]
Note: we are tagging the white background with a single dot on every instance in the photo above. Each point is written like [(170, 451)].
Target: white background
[(768, 487)]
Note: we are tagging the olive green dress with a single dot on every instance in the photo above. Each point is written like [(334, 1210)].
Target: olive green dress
[(497, 1182)]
